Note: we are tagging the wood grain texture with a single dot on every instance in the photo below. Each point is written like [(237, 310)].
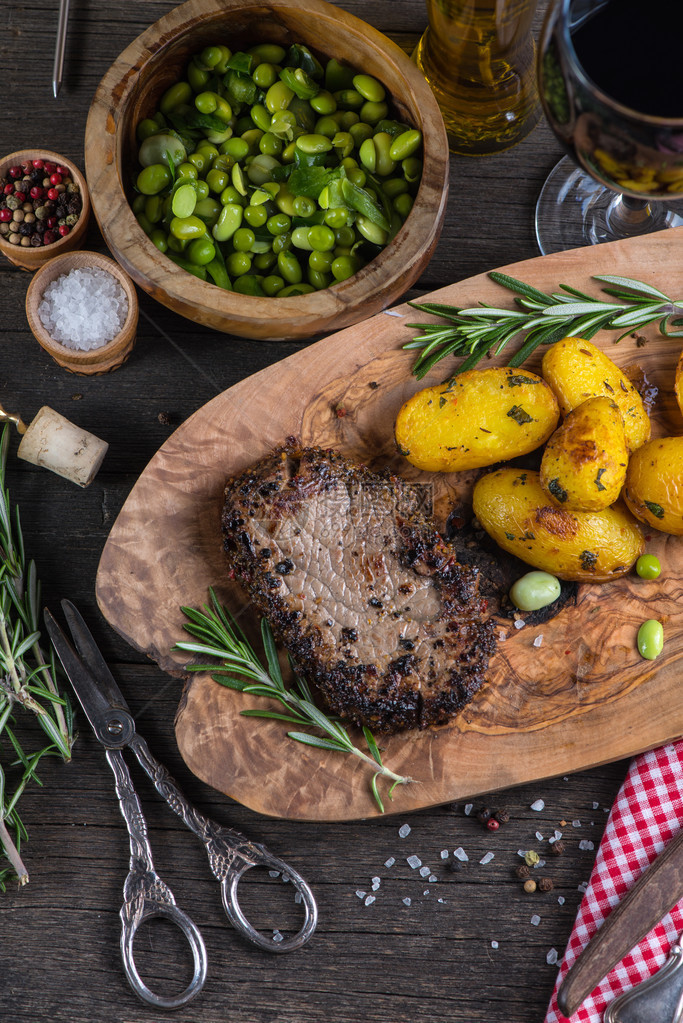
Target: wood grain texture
[(130, 91), (545, 710)]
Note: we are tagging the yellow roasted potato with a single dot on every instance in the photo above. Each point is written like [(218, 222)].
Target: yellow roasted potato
[(513, 508), (577, 370), (584, 463), (654, 484), (479, 417)]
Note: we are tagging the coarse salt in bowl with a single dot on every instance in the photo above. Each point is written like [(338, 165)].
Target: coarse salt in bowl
[(83, 309)]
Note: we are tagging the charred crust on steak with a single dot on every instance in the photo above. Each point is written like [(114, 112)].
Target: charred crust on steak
[(328, 551)]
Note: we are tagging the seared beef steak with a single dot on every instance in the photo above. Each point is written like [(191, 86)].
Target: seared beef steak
[(359, 587)]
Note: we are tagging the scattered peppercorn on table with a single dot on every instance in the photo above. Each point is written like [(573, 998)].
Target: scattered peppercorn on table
[(425, 917)]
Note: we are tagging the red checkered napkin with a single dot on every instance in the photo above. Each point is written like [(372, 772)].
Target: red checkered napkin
[(647, 813)]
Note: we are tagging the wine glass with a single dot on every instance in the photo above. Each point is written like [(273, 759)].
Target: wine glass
[(611, 85)]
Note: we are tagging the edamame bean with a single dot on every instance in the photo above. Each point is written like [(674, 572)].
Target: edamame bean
[(289, 268), (369, 88), (403, 204), (153, 179), (255, 216), (201, 251), (278, 97), (648, 566), (208, 210), (238, 263), (272, 284), (321, 237), (187, 228), (279, 223), (158, 237), (650, 639), (344, 267), (243, 239), (265, 75), (175, 96), (237, 148), (313, 144), (373, 232), (535, 590), (184, 201), (303, 206), (229, 219), (270, 53), (405, 144), (154, 208)]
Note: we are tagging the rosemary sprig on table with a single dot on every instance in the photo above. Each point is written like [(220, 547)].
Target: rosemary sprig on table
[(223, 639), (27, 680), (541, 318)]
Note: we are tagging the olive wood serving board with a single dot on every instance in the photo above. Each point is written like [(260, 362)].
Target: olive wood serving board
[(582, 697)]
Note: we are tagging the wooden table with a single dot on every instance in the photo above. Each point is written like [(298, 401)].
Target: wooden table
[(465, 949)]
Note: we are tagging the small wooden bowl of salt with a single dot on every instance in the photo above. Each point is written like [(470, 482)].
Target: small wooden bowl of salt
[(83, 309)]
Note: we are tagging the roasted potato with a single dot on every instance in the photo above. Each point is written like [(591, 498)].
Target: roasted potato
[(515, 511), (577, 370), (477, 418), (654, 484), (584, 463)]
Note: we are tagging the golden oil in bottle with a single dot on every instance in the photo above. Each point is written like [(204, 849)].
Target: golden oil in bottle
[(478, 57)]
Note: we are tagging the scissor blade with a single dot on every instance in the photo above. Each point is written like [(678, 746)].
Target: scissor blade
[(99, 704), (91, 656)]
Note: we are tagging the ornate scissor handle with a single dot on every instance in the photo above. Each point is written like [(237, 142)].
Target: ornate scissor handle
[(230, 856)]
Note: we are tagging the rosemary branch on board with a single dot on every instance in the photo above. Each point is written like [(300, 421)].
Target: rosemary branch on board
[(223, 639), (28, 680), (542, 318)]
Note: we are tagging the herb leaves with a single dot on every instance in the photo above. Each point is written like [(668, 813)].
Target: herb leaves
[(539, 319), (240, 668)]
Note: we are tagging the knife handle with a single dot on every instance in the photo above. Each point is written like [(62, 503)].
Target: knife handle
[(656, 891)]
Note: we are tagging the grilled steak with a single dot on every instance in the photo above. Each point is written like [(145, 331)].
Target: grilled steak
[(359, 587)]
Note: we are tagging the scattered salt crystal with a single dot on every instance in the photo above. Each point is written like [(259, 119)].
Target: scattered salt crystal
[(535, 920), (285, 878), (468, 808), (277, 936), (540, 863), (393, 312), (444, 854), (424, 871), (596, 805), (442, 901), (539, 836), (390, 862), (273, 873), (432, 879), (414, 861), (404, 831), (83, 309), (582, 887), (376, 882), (460, 854), (585, 845), (561, 900), (426, 891), (557, 835), (370, 899), (494, 944), (407, 901), (486, 858), (538, 640), (375, 886), (522, 853), (551, 957), (519, 624), (502, 636), (538, 805), (360, 894), (576, 824)]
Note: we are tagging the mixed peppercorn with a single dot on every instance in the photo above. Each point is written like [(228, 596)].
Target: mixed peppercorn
[(39, 203)]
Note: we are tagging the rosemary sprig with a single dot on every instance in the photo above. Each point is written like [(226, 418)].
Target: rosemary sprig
[(27, 680), (222, 638), (539, 318)]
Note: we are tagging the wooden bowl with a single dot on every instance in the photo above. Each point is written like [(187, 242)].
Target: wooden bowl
[(130, 91), (97, 360), (30, 258)]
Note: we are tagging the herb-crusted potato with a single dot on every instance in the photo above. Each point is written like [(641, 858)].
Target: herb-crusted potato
[(654, 484), (515, 511), (584, 462), (479, 417), (577, 370)]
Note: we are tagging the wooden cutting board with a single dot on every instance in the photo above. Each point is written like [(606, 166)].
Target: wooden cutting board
[(582, 697)]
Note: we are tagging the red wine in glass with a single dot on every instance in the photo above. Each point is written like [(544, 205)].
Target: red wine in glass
[(611, 83)]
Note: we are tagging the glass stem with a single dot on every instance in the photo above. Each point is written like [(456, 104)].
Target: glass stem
[(628, 214)]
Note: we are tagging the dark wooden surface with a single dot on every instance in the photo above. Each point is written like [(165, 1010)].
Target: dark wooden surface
[(385, 962)]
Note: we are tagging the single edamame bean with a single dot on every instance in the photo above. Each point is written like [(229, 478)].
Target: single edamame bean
[(174, 97), (320, 261), (153, 179), (403, 204), (243, 239), (265, 75), (344, 267), (238, 263), (187, 228), (154, 208), (300, 238), (208, 210), (184, 201), (278, 97), (324, 103), (270, 53), (405, 145), (279, 223), (272, 284), (373, 113), (647, 566), (289, 268), (385, 165), (373, 232), (255, 216), (534, 591), (650, 639), (217, 180), (369, 88), (313, 144), (237, 148), (303, 206), (201, 251), (229, 219), (158, 237), (145, 223), (321, 237)]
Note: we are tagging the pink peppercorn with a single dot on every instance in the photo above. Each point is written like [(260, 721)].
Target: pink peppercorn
[(5, 216), (55, 179), (492, 824), (64, 229), (39, 164), (52, 193)]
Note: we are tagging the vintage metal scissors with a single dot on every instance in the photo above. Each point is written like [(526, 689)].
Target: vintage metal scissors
[(145, 894)]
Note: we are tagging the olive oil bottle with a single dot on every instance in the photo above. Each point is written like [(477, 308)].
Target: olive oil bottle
[(479, 58)]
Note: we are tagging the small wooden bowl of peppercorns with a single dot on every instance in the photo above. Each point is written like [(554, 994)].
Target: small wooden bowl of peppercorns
[(44, 207)]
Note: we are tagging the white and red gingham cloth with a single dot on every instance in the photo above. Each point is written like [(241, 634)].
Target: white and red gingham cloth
[(647, 813)]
